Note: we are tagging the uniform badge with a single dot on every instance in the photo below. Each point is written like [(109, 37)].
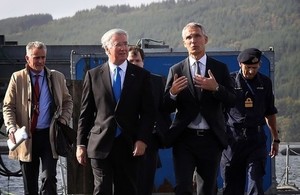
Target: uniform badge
[(255, 60), (248, 103)]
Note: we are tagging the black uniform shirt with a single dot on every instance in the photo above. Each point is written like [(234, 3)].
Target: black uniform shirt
[(259, 95)]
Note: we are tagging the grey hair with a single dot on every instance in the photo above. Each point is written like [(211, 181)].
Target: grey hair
[(35, 44), (106, 38), (193, 25)]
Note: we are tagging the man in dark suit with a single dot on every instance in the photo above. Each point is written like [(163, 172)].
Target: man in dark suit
[(114, 131), (198, 88), (150, 161)]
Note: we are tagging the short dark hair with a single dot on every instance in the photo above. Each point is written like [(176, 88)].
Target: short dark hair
[(136, 49)]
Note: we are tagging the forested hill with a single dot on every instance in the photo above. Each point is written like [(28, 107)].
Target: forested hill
[(231, 24)]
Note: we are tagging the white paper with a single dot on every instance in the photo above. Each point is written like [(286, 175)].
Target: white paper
[(20, 136)]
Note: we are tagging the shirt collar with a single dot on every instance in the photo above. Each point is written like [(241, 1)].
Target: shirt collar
[(42, 73), (202, 60), (123, 66)]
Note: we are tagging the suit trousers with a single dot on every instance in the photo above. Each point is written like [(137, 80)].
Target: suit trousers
[(243, 162), (196, 150), (116, 174), (41, 152), (146, 170)]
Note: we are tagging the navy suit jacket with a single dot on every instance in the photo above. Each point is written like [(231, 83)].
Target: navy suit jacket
[(211, 105), (100, 113)]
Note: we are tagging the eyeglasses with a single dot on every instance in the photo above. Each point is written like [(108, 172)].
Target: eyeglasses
[(119, 44)]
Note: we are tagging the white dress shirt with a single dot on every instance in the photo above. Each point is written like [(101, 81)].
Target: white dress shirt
[(195, 124)]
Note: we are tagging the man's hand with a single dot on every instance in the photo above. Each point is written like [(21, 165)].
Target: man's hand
[(81, 155), (274, 149), (209, 83), (62, 121), (11, 134), (139, 148), (178, 84)]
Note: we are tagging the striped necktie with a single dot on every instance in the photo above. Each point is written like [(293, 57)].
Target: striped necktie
[(36, 97)]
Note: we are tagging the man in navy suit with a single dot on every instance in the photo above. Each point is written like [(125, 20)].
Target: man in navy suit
[(197, 90), (151, 160), (114, 132)]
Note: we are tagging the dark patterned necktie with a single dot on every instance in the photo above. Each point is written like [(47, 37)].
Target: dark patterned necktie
[(198, 71), (198, 91), (36, 97)]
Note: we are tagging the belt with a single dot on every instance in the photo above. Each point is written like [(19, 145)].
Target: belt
[(198, 132), (249, 131), (256, 129), (241, 125), (44, 129)]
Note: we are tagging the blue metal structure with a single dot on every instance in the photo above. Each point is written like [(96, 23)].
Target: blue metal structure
[(158, 61), (74, 60)]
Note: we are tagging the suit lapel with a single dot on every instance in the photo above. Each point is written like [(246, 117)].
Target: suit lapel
[(106, 80), (208, 66), (129, 78)]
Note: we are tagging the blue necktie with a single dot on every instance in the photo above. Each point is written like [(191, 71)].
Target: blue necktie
[(117, 83), (117, 91)]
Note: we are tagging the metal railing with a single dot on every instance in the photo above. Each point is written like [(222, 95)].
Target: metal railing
[(286, 187)]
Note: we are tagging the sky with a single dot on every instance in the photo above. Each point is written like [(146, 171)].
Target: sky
[(58, 8)]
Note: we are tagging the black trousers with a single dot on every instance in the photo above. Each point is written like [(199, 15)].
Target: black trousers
[(146, 171), (117, 174), (41, 153), (196, 150)]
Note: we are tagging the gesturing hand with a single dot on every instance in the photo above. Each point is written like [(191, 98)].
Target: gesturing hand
[(209, 83), (178, 84)]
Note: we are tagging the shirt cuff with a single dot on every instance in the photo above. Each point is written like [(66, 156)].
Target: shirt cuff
[(173, 97)]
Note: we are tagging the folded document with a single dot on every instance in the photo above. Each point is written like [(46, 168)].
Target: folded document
[(20, 136)]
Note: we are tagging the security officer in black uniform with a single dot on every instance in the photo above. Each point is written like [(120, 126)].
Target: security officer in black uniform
[(245, 157)]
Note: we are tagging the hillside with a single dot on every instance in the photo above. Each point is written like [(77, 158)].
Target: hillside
[(231, 24)]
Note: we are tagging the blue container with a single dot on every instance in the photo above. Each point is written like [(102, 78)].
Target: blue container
[(159, 63)]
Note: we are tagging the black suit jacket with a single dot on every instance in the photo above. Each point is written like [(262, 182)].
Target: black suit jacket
[(211, 105), (100, 113), (162, 116)]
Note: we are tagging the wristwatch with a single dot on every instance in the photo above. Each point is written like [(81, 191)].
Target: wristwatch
[(276, 141)]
